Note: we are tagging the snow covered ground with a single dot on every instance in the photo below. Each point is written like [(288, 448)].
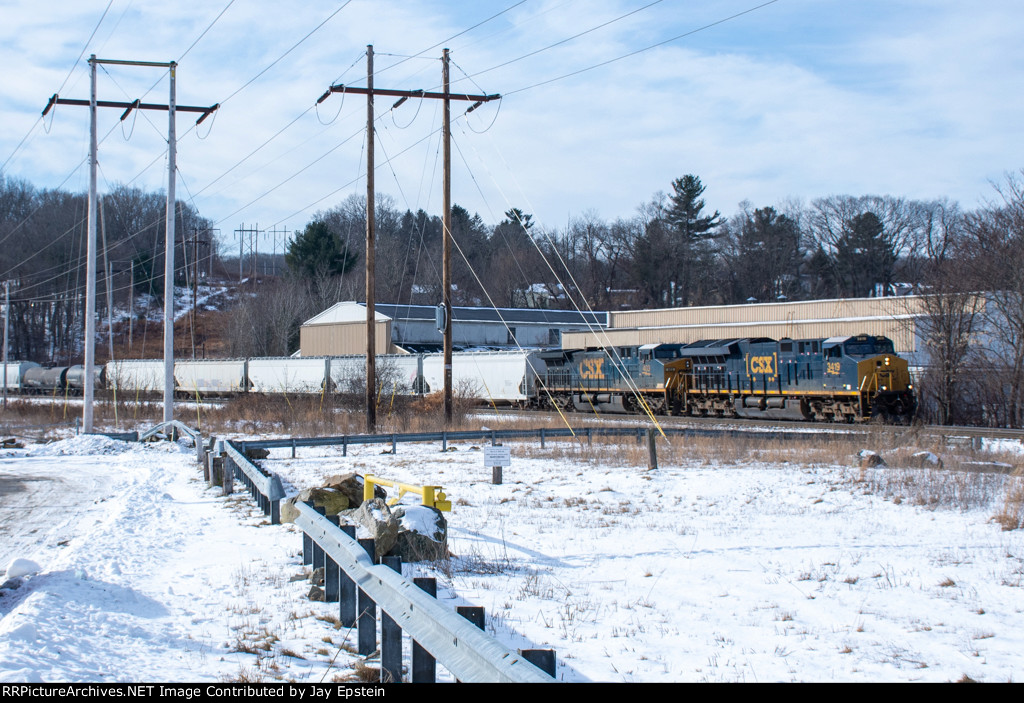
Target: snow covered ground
[(700, 571)]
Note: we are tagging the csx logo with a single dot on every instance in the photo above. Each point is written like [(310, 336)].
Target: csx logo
[(592, 368), (762, 364)]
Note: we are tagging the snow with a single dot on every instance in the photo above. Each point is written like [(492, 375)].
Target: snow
[(705, 570)]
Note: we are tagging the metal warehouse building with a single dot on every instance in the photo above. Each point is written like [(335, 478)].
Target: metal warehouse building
[(341, 329), (896, 317)]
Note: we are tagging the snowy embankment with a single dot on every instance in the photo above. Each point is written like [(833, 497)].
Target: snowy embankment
[(146, 575), (697, 572)]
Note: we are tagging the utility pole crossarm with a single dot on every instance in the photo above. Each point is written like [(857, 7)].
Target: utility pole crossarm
[(408, 94)]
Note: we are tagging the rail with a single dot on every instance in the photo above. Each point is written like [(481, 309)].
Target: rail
[(431, 496), (467, 652)]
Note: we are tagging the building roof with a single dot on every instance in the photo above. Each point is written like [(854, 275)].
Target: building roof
[(347, 311), (510, 316)]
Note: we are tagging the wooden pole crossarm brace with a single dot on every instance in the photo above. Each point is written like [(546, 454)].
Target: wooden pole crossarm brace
[(129, 106), (408, 94)]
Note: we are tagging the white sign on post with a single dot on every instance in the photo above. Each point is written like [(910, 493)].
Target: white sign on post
[(497, 456)]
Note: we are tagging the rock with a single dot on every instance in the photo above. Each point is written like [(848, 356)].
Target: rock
[(316, 594), (317, 577), (22, 567), (870, 459), (332, 501), (376, 517), (255, 453), (927, 460), (339, 493), (352, 485), (11, 584), (423, 535)]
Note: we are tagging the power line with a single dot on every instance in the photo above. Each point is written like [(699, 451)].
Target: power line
[(646, 48)]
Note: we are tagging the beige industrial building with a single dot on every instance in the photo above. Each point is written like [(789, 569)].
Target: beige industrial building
[(895, 317), (341, 329)]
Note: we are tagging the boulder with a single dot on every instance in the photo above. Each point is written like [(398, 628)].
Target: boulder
[(316, 594), (352, 486), (331, 500), (376, 518), (423, 535), (870, 459), (256, 453), (927, 460), (317, 577)]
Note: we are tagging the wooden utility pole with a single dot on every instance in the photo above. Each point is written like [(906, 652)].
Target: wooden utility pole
[(369, 91), (371, 259), (446, 276)]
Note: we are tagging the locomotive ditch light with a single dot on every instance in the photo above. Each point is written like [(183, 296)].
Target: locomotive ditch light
[(885, 388)]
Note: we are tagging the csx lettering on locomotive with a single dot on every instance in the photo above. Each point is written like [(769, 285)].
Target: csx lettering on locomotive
[(592, 369), (762, 364)]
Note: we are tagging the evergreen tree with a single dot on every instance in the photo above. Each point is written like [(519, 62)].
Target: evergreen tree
[(318, 251), (692, 252)]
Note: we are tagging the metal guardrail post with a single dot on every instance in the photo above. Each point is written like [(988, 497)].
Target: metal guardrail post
[(390, 637), (543, 659), (367, 610), (331, 571), (319, 557), (424, 666), (347, 589)]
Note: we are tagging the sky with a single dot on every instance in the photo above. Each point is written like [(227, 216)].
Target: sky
[(764, 101), (803, 570)]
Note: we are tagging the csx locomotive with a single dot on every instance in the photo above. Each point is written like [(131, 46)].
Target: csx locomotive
[(840, 379)]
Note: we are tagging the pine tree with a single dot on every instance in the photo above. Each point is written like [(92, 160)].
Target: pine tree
[(317, 250)]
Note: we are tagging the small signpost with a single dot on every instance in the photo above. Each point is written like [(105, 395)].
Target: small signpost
[(496, 456)]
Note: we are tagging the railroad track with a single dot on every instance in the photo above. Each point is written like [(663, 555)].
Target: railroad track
[(763, 426)]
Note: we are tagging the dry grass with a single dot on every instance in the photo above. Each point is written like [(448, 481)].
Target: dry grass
[(1011, 517)]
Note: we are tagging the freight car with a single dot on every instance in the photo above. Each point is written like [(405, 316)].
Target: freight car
[(61, 380), (841, 379), (497, 377)]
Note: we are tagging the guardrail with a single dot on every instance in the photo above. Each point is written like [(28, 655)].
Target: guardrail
[(265, 488), (360, 586), (494, 436)]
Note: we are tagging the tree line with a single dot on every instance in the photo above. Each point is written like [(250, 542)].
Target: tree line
[(674, 250), (43, 256)]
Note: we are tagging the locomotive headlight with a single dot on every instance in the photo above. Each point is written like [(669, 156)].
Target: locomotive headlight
[(884, 388), (886, 361)]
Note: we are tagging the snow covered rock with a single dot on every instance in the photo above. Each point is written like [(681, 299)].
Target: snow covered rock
[(870, 459), (423, 535), (927, 460), (376, 518), (22, 567)]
